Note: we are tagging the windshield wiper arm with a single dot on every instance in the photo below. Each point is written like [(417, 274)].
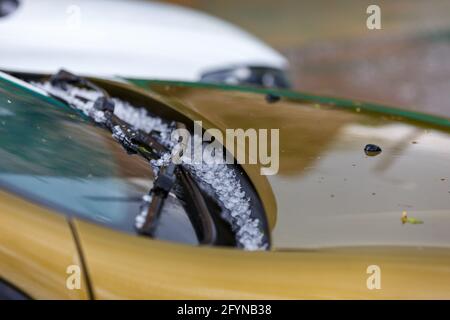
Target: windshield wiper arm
[(132, 140), (153, 204), (196, 207), (209, 230)]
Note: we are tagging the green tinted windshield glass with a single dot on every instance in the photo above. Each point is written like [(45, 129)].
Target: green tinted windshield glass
[(53, 155)]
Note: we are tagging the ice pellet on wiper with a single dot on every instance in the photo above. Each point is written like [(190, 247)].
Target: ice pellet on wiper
[(119, 134), (143, 211)]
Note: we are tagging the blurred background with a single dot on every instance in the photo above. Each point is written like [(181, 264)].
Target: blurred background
[(331, 51)]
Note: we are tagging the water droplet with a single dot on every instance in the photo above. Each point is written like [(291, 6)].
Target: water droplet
[(372, 150), (272, 98)]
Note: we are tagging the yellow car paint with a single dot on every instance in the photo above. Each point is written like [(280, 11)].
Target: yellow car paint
[(36, 248), (123, 266)]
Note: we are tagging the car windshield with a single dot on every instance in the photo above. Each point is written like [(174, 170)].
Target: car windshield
[(53, 155)]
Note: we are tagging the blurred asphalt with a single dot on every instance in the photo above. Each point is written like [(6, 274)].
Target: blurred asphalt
[(406, 64)]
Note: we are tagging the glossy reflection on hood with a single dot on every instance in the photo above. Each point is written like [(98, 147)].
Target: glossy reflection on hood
[(328, 192), (345, 198)]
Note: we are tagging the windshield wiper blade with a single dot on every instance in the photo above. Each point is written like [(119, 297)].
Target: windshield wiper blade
[(203, 222), (63, 77)]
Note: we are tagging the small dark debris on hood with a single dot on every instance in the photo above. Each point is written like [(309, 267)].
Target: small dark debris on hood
[(272, 98), (372, 150)]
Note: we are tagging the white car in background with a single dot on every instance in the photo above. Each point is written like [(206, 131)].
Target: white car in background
[(132, 39)]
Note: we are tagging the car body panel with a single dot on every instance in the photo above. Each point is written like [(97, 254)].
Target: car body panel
[(136, 39), (127, 267), (36, 248)]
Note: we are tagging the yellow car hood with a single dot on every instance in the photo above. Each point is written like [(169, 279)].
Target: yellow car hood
[(327, 191)]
